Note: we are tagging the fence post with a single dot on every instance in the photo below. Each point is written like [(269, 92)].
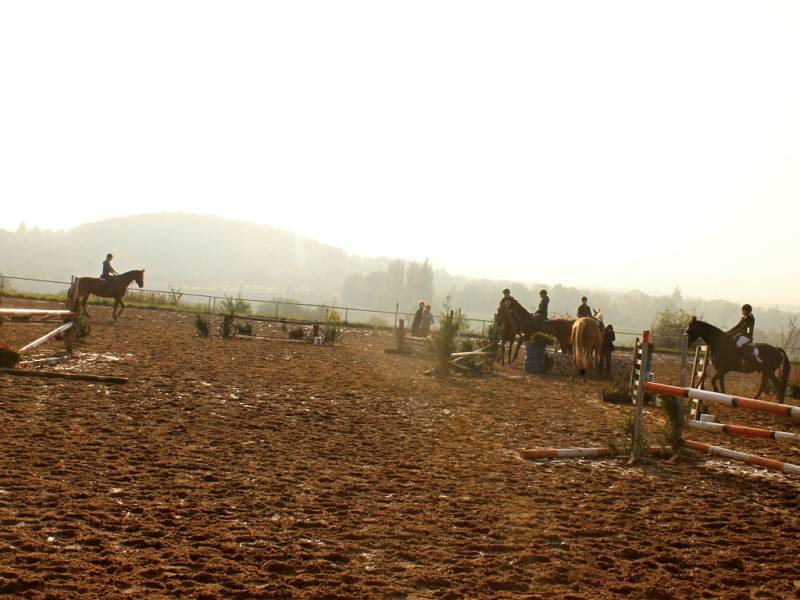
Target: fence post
[(396, 311), (684, 359), (214, 305), (276, 309), (644, 374), (345, 315)]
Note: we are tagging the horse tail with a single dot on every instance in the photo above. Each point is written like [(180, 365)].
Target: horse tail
[(786, 366)]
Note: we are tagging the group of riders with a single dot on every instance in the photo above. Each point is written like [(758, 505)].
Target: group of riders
[(741, 333)]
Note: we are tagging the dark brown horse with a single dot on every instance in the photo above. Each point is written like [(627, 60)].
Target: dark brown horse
[(725, 359), (527, 323), (114, 287), (561, 329), (507, 328)]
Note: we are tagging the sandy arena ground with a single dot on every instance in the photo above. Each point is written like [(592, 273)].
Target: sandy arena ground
[(256, 468)]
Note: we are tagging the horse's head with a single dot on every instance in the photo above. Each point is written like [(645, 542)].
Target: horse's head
[(139, 279), (693, 330)]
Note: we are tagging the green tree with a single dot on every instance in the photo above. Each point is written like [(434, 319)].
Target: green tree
[(669, 326)]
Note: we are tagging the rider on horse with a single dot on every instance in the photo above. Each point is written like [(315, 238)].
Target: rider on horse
[(742, 334), (108, 270), (541, 312), (584, 310)]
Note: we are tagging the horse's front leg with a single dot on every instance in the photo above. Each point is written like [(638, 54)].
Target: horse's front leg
[(714, 379), (84, 300), (520, 338), (763, 385), (122, 304)]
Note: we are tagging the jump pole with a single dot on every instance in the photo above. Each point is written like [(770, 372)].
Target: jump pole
[(750, 459), (743, 431), (44, 338), (534, 454), (783, 410), (37, 312)]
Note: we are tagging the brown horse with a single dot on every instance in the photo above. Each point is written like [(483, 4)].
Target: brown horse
[(114, 287), (507, 328), (561, 329), (587, 346)]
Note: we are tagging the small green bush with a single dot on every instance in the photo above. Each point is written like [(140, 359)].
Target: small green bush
[(542, 338), (236, 306), (8, 356), (244, 329), (202, 326), (676, 410), (331, 333), (297, 333), (226, 329)]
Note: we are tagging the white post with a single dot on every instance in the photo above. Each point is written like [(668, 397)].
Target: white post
[(644, 372)]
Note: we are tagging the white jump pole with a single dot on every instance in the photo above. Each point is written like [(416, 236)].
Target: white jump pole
[(35, 312), (44, 338)]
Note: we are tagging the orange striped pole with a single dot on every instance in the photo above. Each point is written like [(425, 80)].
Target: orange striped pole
[(533, 454), (750, 459), (784, 410), (741, 430)]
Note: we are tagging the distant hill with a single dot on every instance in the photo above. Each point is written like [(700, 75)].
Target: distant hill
[(206, 254), (192, 252)]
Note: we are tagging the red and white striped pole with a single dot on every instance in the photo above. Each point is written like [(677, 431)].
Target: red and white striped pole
[(750, 459), (784, 410), (741, 430), (534, 454)]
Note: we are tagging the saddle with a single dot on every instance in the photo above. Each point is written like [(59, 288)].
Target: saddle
[(744, 356)]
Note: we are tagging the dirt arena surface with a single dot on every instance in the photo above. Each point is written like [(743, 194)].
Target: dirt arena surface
[(256, 468)]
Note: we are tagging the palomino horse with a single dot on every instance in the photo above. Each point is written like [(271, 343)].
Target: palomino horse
[(725, 359), (507, 328), (587, 346), (114, 287)]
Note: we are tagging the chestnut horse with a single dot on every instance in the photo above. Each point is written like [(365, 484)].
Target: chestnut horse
[(114, 287), (587, 346)]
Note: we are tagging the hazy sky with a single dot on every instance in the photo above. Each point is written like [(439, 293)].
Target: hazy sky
[(607, 144)]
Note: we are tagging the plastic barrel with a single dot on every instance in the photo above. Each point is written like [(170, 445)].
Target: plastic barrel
[(534, 357)]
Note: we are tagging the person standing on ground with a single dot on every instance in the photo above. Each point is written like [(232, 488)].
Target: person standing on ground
[(609, 337), (427, 322), (417, 319), (584, 310)]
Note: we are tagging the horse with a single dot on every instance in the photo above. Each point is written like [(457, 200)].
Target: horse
[(527, 323), (561, 329), (587, 346), (114, 287), (726, 359), (507, 328)]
